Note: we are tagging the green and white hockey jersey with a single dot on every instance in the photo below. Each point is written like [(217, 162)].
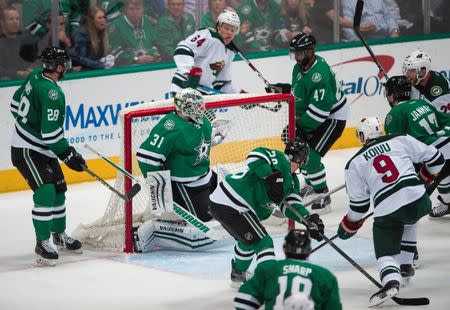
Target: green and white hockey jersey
[(318, 96), (421, 120), (204, 49), (274, 281), (246, 190), (436, 92), (38, 107), (383, 171), (177, 145)]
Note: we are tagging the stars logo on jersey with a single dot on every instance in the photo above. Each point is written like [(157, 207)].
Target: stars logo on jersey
[(53, 94), (436, 91), (316, 77), (217, 67), (203, 150), (388, 119), (169, 124), (299, 76)]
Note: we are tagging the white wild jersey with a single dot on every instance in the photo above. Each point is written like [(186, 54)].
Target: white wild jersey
[(206, 50), (383, 171)]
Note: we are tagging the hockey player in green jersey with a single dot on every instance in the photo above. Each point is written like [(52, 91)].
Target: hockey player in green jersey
[(38, 107), (429, 85), (383, 172), (291, 283), (422, 121), (244, 199), (321, 112), (180, 142)]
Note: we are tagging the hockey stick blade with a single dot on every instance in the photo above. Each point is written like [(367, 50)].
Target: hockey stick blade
[(133, 191), (419, 301)]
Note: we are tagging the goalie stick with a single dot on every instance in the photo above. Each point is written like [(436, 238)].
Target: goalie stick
[(356, 24), (420, 301), (127, 196)]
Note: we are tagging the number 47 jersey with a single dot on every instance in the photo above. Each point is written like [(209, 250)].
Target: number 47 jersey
[(383, 171)]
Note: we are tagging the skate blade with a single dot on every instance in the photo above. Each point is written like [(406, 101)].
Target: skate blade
[(65, 250), (444, 217), (235, 285), (378, 300), (405, 281), (45, 262), (321, 211), (416, 264)]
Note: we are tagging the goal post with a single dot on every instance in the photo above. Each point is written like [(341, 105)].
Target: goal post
[(257, 120)]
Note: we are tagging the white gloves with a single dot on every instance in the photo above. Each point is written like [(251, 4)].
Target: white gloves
[(221, 127), (108, 61)]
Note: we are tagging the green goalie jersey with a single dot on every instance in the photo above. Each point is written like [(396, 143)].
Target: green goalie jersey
[(249, 189), (318, 96), (38, 107), (177, 145), (274, 281), (419, 119)]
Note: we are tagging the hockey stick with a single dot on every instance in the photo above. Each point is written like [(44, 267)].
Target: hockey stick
[(401, 301), (127, 196), (445, 172), (356, 24), (335, 236), (324, 195)]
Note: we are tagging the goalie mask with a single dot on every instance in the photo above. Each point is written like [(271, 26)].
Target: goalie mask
[(417, 61), (190, 103), (297, 151), (297, 244), (369, 128)]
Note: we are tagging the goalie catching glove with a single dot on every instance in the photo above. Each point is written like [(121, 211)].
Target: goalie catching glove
[(221, 127), (347, 228), (275, 189), (316, 227), (72, 159), (280, 88)]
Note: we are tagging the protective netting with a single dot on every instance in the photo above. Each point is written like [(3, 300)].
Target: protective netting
[(256, 121)]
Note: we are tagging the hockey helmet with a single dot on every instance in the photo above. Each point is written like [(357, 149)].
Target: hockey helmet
[(297, 151), (399, 86), (302, 42), (298, 301), (297, 244), (370, 128), (53, 56), (190, 103), (230, 17), (417, 60)]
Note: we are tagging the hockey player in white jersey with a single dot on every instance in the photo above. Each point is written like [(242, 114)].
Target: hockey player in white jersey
[(204, 58), (383, 171)]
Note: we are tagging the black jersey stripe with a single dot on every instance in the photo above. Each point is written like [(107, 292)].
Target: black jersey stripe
[(231, 197), (28, 140)]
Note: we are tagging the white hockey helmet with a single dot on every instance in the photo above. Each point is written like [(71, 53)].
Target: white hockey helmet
[(417, 60), (190, 103), (370, 127), (230, 17), (298, 301)]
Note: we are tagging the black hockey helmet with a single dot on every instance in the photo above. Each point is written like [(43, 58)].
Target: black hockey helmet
[(399, 86), (297, 244), (53, 56), (297, 151), (302, 42)]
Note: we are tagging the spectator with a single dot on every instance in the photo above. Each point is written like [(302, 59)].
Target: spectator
[(172, 27), (135, 35), (64, 39), (209, 19), (190, 6), (112, 8), (91, 41), (294, 20), (12, 66), (260, 19), (377, 21), (324, 16)]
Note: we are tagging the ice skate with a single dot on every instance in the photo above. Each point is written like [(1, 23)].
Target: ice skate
[(407, 271), (323, 205), (237, 277), (45, 253), (306, 191), (65, 243), (439, 210), (388, 291)]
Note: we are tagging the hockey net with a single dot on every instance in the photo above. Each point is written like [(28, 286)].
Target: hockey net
[(257, 120)]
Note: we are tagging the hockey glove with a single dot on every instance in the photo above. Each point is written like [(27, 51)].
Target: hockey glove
[(275, 189), (347, 228), (280, 88), (194, 77), (72, 159), (316, 226), (302, 134), (425, 175), (221, 127)]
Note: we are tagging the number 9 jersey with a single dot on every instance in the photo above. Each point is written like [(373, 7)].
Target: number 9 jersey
[(38, 107), (383, 171)]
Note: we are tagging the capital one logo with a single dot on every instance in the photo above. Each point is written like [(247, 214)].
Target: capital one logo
[(368, 85)]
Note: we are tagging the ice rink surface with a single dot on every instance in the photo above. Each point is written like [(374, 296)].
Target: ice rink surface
[(187, 280)]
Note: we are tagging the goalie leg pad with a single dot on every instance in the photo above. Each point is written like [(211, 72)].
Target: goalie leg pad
[(144, 237), (160, 191)]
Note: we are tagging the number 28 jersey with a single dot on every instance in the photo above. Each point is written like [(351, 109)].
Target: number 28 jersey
[(383, 171)]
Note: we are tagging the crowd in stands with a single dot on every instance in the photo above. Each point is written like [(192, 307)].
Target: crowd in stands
[(101, 34)]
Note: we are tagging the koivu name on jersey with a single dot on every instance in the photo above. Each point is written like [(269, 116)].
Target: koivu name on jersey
[(376, 150)]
